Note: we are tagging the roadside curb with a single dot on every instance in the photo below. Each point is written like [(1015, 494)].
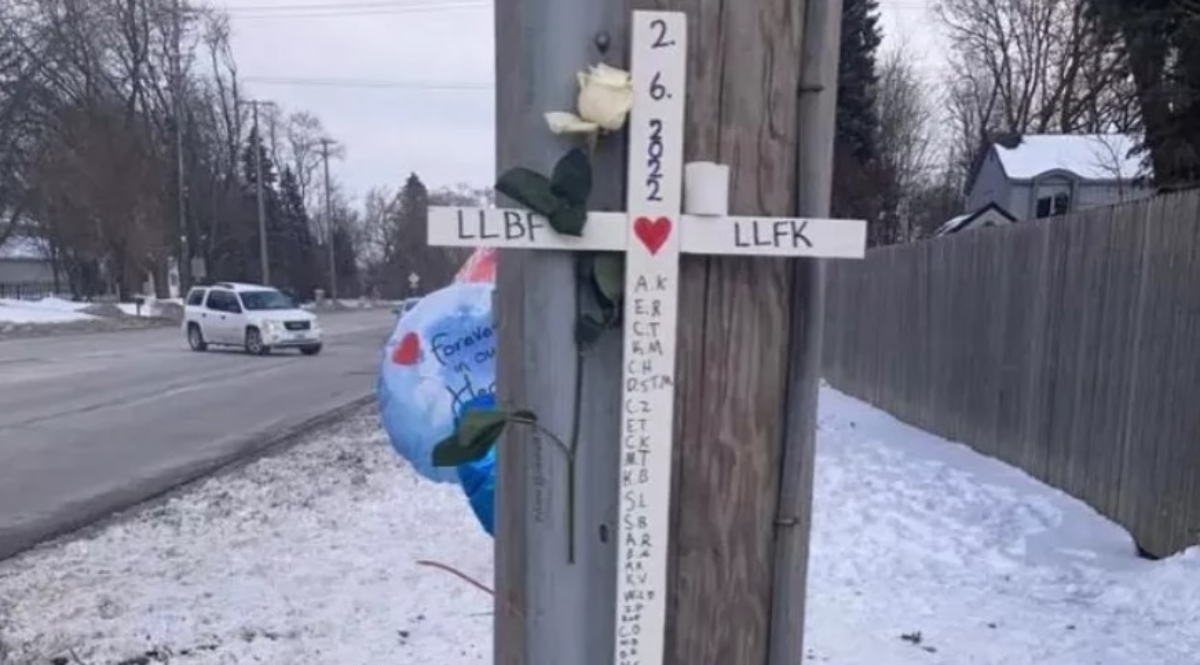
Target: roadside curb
[(25, 332), (116, 505)]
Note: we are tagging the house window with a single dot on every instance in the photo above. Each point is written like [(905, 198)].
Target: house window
[(1053, 205), (1053, 199)]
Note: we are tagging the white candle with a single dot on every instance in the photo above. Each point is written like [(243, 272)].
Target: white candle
[(706, 189)]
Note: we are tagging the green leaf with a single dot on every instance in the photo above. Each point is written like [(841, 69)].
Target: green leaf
[(569, 221), (608, 271), (479, 428), (572, 178), (477, 432), (530, 189), (448, 452), (587, 330)]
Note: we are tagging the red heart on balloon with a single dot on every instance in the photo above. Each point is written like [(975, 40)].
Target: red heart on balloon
[(653, 234), (408, 350)]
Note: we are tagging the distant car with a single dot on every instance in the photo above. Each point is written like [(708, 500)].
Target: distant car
[(254, 317)]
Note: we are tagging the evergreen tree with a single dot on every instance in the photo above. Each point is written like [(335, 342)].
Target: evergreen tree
[(409, 228), (250, 168), (276, 234), (857, 119), (296, 243), (414, 210), (403, 241), (856, 183), (345, 260), (1162, 44)]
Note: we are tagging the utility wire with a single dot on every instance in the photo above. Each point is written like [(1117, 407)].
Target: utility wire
[(319, 6), (350, 11), (365, 83)]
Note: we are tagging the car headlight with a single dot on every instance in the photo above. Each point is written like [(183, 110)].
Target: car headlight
[(272, 326)]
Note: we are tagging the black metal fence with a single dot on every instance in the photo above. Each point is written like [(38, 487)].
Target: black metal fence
[(31, 290)]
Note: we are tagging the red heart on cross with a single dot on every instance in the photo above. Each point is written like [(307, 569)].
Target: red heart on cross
[(408, 350), (653, 234)]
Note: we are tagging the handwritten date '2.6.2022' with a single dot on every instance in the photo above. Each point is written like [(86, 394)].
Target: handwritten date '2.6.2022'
[(658, 91)]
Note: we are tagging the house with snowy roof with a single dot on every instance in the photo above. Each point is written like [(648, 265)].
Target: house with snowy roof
[(24, 261), (1045, 175)]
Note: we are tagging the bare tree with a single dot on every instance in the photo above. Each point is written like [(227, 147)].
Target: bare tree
[(92, 181), (905, 143), (375, 240), (304, 134), (101, 103), (1032, 66)]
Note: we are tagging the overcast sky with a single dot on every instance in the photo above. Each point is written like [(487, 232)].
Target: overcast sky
[(393, 120)]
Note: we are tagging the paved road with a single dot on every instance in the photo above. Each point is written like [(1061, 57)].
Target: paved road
[(93, 424)]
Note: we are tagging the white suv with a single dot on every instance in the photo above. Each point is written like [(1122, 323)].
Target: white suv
[(256, 318)]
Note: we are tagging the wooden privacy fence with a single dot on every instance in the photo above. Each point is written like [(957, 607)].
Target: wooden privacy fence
[(1069, 348)]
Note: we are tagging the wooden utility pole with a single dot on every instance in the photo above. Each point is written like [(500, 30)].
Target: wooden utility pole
[(263, 257), (325, 143), (185, 254), (747, 353)]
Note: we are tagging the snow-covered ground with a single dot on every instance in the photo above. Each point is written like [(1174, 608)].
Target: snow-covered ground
[(923, 553), (151, 307), (305, 558), (914, 536), (46, 310)]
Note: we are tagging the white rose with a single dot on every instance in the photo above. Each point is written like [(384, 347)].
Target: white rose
[(605, 96), (569, 123), (605, 99)]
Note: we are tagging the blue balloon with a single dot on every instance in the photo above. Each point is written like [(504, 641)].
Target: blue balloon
[(478, 478), (438, 363)]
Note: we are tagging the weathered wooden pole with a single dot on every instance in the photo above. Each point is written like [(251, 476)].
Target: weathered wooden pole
[(734, 348), (745, 356)]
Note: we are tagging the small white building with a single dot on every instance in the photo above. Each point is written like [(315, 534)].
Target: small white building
[(989, 215), (1046, 175), (24, 266)]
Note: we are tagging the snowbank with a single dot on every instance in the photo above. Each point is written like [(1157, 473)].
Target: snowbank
[(306, 558), (924, 553), (154, 308), (46, 310)]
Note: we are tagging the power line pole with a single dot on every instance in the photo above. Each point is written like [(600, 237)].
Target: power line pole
[(185, 254), (817, 121), (273, 119), (262, 207), (549, 611), (325, 143)]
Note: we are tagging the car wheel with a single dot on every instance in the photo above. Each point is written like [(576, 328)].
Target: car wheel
[(196, 338), (254, 343), (311, 350)]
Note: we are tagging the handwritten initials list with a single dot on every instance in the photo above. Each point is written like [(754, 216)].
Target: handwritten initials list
[(652, 272), (649, 383)]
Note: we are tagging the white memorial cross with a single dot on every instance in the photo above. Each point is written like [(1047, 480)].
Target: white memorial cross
[(652, 233)]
